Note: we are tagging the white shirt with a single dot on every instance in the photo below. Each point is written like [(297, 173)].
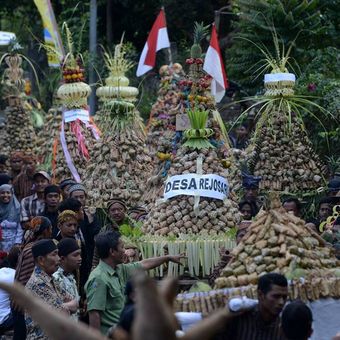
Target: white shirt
[(6, 276)]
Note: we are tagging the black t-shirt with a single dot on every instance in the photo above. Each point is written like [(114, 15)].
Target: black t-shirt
[(126, 317), (53, 217)]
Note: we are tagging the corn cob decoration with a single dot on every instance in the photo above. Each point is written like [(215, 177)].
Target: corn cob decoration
[(277, 241), (121, 157), (73, 147)]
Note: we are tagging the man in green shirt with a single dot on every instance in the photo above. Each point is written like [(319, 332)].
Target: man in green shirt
[(106, 284)]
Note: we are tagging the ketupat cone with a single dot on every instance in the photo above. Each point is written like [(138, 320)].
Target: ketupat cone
[(285, 160), (283, 155), (176, 215), (276, 241), (121, 163), (195, 94)]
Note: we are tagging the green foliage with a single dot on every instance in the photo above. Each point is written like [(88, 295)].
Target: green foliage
[(312, 22), (322, 80), (130, 232)]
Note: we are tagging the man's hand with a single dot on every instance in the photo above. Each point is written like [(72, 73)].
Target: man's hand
[(177, 258), (89, 215), (71, 306)]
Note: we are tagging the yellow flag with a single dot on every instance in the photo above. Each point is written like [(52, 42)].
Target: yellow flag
[(51, 33)]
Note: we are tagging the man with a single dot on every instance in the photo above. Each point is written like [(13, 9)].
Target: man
[(52, 199), (65, 186), (117, 215), (263, 322), (240, 138), (70, 261), (41, 228), (105, 286), (69, 228), (293, 206), (41, 284), (74, 205), (90, 225), (324, 211), (247, 209), (334, 186), (16, 162), (24, 183), (296, 321), (250, 186), (34, 205)]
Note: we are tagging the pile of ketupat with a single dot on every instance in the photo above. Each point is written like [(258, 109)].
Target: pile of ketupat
[(278, 241)]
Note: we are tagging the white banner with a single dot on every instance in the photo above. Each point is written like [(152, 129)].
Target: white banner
[(72, 115), (212, 186), (6, 37)]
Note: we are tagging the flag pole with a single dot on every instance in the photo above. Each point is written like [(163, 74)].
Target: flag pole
[(169, 48)]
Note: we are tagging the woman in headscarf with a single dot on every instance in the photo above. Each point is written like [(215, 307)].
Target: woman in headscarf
[(10, 229), (41, 228)]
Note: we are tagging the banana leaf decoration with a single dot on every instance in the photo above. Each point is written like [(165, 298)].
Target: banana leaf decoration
[(197, 136)]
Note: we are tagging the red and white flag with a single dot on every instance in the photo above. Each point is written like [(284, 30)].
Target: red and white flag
[(213, 65), (157, 40)]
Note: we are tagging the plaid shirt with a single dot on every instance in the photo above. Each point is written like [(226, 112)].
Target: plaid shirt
[(31, 206)]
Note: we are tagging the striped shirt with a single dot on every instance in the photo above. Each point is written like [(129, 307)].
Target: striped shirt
[(250, 326), (31, 206), (25, 264)]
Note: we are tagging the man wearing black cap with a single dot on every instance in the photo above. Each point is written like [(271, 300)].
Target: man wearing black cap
[(52, 199), (70, 261), (64, 185), (334, 189), (41, 284), (34, 205), (250, 185)]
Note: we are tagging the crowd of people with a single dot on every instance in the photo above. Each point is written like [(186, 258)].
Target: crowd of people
[(73, 258)]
